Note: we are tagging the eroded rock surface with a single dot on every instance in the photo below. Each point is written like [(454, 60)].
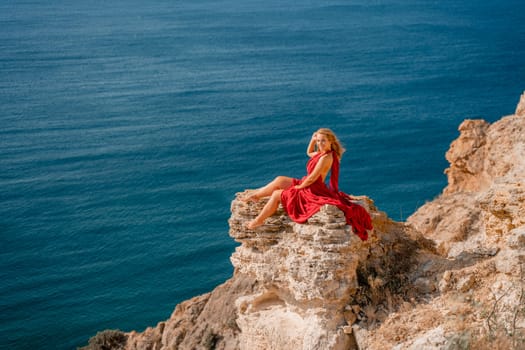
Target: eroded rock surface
[(295, 286), (451, 277)]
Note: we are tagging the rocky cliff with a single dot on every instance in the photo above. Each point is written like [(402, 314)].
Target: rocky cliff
[(451, 277)]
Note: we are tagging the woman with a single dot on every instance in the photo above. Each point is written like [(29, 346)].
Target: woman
[(302, 198)]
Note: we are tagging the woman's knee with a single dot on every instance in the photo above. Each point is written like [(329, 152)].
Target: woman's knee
[(282, 181), (279, 179)]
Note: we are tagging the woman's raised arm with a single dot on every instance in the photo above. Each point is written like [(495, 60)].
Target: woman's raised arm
[(311, 146)]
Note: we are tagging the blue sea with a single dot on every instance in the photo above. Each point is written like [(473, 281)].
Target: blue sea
[(127, 127)]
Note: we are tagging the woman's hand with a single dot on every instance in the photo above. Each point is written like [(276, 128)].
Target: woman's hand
[(310, 150)]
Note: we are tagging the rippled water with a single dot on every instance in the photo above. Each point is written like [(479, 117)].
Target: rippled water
[(127, 127)]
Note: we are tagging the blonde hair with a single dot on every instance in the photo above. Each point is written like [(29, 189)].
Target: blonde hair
[(336, 144)]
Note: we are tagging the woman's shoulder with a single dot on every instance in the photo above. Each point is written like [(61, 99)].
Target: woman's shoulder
[(326, 157)]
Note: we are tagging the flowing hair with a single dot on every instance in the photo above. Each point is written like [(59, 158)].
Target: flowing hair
[(336, 144)]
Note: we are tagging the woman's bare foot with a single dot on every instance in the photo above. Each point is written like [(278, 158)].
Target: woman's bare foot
[(251, 196), (252, 225)]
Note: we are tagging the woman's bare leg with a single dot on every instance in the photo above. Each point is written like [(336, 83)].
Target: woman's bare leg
[(279, 183), (269, 208)]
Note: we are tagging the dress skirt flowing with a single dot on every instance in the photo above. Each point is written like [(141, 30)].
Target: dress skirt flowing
[(301, 204)]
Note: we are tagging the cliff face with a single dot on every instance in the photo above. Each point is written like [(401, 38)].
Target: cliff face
[(484, 200), (306, 275), (476, 281), (295, 286), (451, 277)]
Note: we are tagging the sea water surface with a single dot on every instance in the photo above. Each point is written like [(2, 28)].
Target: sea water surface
[(127, 127)]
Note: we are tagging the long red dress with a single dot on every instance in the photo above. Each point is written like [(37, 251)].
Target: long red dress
[(301, 204)]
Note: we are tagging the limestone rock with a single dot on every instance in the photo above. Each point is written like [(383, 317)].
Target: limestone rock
[(295, 286), (484, 153), (467, 157), (308, 273), (309, 264), (291, 287), (520, 109), (478, 224), (485, 196), (431, 340), (451, 277)]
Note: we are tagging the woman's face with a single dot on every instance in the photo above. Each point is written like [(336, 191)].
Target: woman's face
[(323, 144)]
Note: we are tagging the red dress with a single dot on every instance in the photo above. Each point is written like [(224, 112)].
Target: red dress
[(301, 204)]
